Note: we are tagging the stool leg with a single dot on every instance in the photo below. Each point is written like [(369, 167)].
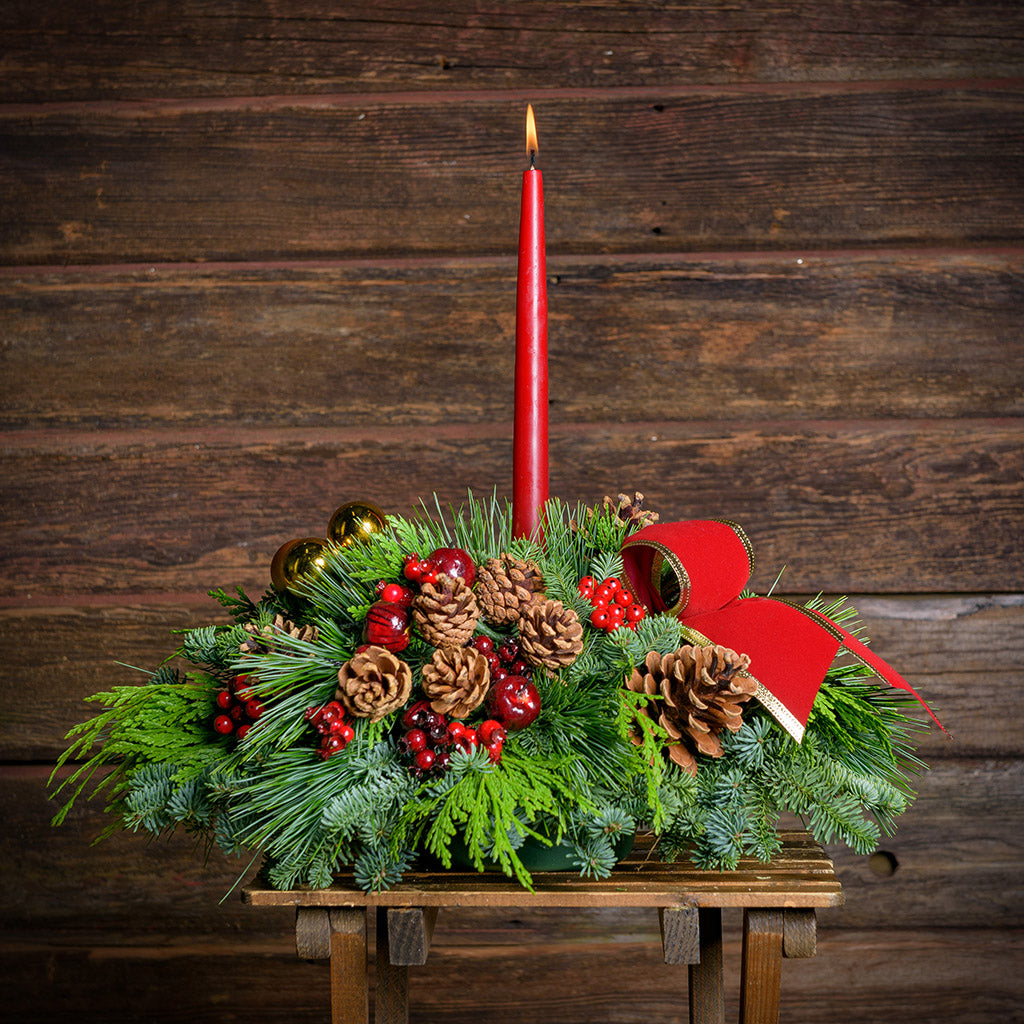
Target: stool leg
[(761, 977), (350, 1002), (392, 1002), (707, 993)]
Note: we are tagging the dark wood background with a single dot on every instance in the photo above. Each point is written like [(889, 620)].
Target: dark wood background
[(258, 260)]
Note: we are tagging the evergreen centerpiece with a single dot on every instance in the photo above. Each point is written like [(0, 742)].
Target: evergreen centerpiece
[(414, 687)]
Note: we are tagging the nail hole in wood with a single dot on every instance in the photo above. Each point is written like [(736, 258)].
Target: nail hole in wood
[(883, 863)]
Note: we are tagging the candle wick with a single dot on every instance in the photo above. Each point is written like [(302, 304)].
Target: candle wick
[(533, 158)]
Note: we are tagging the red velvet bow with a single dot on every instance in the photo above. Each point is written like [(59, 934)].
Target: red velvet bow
[(697, 571)]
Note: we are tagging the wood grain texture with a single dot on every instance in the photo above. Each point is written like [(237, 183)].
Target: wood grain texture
[(56, 655), (761, 981), (714, 171), (848, 507), (922, 977), (54, 879), (104, 50), (873, 335)]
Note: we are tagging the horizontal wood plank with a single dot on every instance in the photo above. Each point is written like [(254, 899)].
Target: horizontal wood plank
[(816, 336), (105, 50), (918, 978), (717, 170), (963, 838), (950, 648), (848, 507)]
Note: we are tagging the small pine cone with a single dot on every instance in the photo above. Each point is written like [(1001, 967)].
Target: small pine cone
[(373, 683), (703, 689), (630, 511), (456, 681), (260, 640), (446, 612), (550, 634), (506, 586)]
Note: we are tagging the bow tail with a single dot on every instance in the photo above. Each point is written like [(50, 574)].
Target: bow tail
[(791, 649)]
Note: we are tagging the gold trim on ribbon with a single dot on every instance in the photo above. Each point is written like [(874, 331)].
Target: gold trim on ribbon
[(779, 711), (664, 553), (744, 540)]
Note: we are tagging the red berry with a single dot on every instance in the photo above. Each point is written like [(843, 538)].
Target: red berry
[(603, 595), (237, 712), (494, 751), (484, 644), (254, 709), (412, 568), (242, 731), (520, 668), (223, 724), (634, 613), (586, 586), (430, 573), (442, 761), (623, 597), (616, 616), (467, 741), (508, 651), (417, 715), (395, 593), (332, 745), (415, 741), (379, 587), (237, 683), (599, 617), (456, 730), (224, 700), (493, 661), (611, 583), (491, 731), (499, 675), (424, 760), (346, 732)]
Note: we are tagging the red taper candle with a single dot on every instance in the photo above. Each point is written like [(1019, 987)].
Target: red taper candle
[(530, 427)]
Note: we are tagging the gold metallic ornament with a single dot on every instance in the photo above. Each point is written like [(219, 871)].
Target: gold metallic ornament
[(355, 522), (296, 560)]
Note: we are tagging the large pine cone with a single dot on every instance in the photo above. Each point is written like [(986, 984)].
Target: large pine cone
[(456, 681), (446, 612), (259, 641), (703, 689), (506, 586), (373, 683), (550, 634)]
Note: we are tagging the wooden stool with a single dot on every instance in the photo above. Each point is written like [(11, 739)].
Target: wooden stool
[(778, 901)]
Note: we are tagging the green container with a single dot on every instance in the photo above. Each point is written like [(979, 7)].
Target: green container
[(537, 856)]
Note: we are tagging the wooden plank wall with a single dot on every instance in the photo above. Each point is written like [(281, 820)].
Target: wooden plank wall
[(258, 260)]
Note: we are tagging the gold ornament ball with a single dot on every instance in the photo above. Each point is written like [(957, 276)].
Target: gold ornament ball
[(355, 522), (296, 560)]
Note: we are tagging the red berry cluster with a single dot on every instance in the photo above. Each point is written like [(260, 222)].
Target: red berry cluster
[(430, 737), (613, 603), (329, 722), (504, 659), (238, 708)]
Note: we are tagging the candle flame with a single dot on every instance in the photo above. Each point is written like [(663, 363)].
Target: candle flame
[(531, 133)]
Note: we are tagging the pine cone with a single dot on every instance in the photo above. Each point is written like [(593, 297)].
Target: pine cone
[(702, 690), (260, 640), (505, 587), (630, 510), (373, 683), (446, 612), (550, 634), (456, 681)]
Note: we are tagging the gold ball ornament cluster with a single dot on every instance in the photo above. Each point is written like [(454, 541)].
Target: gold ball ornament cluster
[(355, 522)]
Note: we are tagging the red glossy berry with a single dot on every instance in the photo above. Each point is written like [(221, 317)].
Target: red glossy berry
[(454, 562), (379, 587), (520, 668), (612, 583), (456, 730), (417, 715), (387, 625), (599, 617), (223, 724), (253, 709), (634, 613), (412, 568), (237, 683), (493, 661), (442, 761), (332, 745), (415, 741), (616, 616), (623, 597), (424, 760), (467, 741), (237, 712), (312, 714), (499, 675), (508, 651), (494, 752), (603, 595), (224, 700), (586, 586), (484, 644), (346, 732), (429, 573), (395, 593), (242, 731), (490, 731)]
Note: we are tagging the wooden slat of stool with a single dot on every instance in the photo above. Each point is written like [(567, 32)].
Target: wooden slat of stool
[(799, 933), (392, 997), (410, 930), (707, 984), (761, 971), (350, 1003)]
